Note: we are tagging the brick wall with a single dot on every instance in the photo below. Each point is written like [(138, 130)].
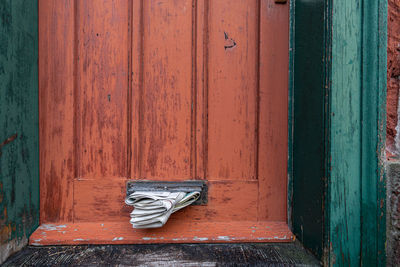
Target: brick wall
[(393, 139), (393, 74)]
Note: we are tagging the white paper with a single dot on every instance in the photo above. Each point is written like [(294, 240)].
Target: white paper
[(153, 209)]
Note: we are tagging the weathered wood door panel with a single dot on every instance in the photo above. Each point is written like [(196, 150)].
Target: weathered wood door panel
[(164, 90)]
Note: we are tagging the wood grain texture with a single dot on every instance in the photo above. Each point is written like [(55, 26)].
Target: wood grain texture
[(100, 200), (245, 254), (228, 201), (136, 89), (273, 114), (167, 90), (102, 86), (56, 109), (200, 82), (166, 95), (19, 133), (357, 130), (339, 126), (374, 123), (232, 90), (104, 200), (345, 144), (122, 233)]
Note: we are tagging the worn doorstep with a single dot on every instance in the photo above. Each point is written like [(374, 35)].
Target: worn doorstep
[(248, 254)]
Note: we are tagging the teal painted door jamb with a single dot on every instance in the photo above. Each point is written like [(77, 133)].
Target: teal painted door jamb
[(356, 185), (337, 128), (19, 124)]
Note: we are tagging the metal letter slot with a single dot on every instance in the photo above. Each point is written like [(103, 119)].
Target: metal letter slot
[(184, 186)]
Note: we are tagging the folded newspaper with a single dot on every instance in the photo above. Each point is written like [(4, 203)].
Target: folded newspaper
[(152, 209)]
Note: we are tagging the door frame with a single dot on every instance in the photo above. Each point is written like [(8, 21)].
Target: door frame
[(326, 162), (337, 128)]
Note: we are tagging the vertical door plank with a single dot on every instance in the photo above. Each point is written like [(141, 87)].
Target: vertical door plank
[(200, 102), (56, 109), (345, 133), (166, 109), (102, 86), (136, 87), (274, 60), (232, 89)]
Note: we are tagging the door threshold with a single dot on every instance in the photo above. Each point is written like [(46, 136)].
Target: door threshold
[(247, 254), (173, 232)]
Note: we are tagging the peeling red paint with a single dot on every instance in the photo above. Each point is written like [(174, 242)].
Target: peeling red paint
[(118, 233), (7, 141)]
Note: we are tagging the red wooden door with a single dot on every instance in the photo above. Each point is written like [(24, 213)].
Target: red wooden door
[(163, 90)]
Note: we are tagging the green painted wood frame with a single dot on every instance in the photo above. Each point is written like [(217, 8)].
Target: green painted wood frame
[(337, 129), (336, 121), (19, 132)]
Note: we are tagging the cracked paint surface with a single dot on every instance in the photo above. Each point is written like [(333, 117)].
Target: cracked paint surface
[(19, 175)]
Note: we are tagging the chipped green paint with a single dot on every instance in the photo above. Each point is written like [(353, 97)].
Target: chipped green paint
[(339, 90), (338, 78), (345, 134), (19, 151), (357, 108)]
